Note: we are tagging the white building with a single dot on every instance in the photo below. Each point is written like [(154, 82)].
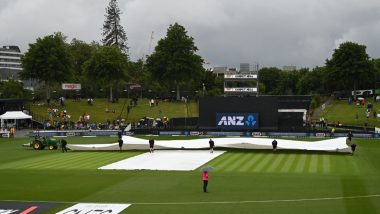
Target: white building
[(289, 68), (242, 82), (10, 62), (10, 66)]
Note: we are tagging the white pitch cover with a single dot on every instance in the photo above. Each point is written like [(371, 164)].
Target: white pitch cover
[(94, 208), (185, 160), (131, 143)]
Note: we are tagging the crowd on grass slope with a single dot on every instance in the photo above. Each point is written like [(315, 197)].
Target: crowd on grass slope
[(62, 120)]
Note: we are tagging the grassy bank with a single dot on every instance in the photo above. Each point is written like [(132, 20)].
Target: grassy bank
[(97, 110), (341, 111)]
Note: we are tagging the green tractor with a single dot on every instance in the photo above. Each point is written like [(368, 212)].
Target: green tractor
[(40, 143)]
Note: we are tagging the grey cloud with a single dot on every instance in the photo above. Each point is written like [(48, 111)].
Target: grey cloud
[(271, 33)]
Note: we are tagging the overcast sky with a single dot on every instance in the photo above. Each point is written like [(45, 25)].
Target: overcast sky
[(303, 33)]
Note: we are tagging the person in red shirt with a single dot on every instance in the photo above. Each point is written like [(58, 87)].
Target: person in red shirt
[(205, 180)]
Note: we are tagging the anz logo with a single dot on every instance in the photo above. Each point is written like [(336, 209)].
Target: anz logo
[(231, 121), (237, 120)]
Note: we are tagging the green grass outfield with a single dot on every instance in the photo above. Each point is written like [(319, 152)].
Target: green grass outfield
[(243, 181)]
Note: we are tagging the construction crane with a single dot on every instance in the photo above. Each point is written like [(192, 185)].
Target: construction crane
[(150, 42), (149, 48)]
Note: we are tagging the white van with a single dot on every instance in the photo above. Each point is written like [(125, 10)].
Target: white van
[(363, 93)]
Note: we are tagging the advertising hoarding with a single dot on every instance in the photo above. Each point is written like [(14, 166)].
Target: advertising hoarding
[(71, 86)]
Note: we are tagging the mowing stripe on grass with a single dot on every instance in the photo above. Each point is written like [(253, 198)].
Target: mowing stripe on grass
[(289, 162), (300, 163), (221, 158), (262, 163), (307, 164), (250, 163), (326, 164), (64, 162), (58, 161), (352, 164), (34, 162), (232, 157), (213, 202), (313, 165), (343, 164), (295, 163), (95, 162), (68, 161), (238, 163), (275, 163)]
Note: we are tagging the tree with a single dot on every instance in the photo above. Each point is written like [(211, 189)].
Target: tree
[(213, 83), (113, 33), (12, 89), (174, 61), (312, 82), (270, 78), (48, 60), (107, 66), (349, 68), (82, 52), (287, 84)]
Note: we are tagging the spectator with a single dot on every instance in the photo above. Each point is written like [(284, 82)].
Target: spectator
[(90, 101), (62, 99), (12, 132), (152, 103)]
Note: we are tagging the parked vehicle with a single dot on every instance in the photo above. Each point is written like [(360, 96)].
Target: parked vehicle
[(40, 143), (363, 93)]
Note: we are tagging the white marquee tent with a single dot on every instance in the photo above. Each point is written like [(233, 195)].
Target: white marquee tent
[(14, 115)]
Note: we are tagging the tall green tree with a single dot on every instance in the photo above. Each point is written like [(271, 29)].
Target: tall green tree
[(270, 78), (288, 83), (82, 52), (350, 68), (312, 82), (12, 89), (49, 61), (113, 32), (174, 61), (376, 63), (107, 66), (213, 84)]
